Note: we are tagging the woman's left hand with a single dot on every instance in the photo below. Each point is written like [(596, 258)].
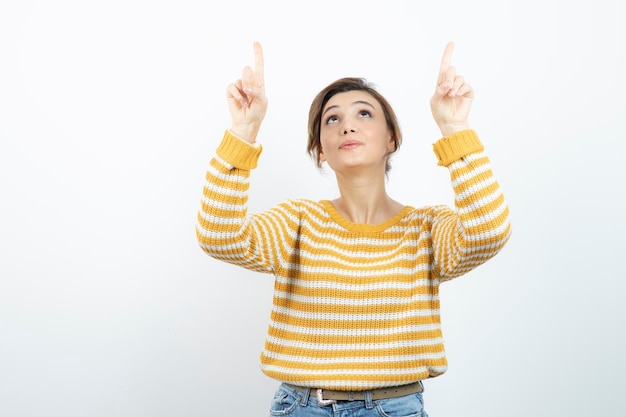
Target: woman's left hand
[(452, 100)]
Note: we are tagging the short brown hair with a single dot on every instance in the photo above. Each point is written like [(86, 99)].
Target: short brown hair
[(344, 85)]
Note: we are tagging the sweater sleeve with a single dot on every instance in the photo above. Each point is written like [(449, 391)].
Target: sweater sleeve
[(479, 226), (224, 229)]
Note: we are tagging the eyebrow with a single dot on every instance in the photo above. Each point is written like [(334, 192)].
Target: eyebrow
[(356, 102)]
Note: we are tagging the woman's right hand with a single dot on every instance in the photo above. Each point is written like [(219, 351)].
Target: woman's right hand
[(247, 102)]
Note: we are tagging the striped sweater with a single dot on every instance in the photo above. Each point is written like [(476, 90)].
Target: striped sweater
[(355, 306)]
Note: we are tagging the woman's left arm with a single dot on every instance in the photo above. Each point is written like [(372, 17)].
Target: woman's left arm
[(480, 225)]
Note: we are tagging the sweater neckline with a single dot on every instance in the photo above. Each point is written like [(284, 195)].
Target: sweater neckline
[(362, 227)]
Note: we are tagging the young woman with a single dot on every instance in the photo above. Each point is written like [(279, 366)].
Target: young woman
[(355, 323)]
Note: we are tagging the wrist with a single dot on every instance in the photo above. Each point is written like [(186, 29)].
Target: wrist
[(452, 128), (247, 132)]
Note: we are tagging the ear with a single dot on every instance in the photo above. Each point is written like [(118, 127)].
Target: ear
[(322, 156), (391, 145)]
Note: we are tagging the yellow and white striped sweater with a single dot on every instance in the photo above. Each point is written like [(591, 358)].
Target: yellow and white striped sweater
[(355, 306)]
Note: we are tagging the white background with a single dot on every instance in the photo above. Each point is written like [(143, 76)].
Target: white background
[(110, 112)]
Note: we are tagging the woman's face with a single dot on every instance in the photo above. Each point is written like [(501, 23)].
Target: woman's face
[(354, 133)]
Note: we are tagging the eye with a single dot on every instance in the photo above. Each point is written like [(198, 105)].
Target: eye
[(332, 119), (365, 114)]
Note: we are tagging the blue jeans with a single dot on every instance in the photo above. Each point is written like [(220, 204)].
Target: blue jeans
[(289, 402)]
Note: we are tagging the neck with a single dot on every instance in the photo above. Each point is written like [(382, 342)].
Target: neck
[(365, 201)]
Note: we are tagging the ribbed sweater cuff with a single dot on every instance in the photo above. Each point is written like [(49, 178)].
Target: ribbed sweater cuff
[(454, 147), (237, 152)]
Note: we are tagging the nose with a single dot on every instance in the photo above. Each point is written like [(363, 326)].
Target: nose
[(347, 129)]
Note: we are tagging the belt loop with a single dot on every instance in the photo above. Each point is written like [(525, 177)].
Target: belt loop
[(305, 397), (368, 400)]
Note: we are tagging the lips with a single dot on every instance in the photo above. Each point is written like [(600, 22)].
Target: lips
[(350, 144)]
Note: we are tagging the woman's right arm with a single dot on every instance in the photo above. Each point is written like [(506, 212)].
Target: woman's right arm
[(223, 228)]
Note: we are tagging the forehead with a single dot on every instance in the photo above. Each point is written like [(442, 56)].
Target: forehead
[(350, 98)]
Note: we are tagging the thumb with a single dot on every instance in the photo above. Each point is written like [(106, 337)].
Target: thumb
[(247, 77)]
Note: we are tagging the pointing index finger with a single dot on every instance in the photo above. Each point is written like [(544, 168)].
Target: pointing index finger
[(445, 61), (258, 61)]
